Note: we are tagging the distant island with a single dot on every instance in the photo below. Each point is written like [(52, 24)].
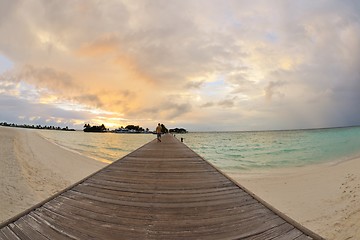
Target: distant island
[(178, 130), (138, 129), (127, 129), (89, 128), (131, 129), (5, 124)]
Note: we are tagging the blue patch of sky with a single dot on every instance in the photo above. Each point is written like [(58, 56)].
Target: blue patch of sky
[(28, 91), (271, 37), (5, 64), (215, 88), (220, 81), (232, 20)]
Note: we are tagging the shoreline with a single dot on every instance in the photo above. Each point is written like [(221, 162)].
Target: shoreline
[(72, 150), (33, 169)]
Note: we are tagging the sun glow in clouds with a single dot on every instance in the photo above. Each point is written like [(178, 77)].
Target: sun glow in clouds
[(48, 39)]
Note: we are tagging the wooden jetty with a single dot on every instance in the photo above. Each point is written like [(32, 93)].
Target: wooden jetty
[(160, 191)]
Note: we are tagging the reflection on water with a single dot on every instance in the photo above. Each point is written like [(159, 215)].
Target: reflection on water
[(105, 147)]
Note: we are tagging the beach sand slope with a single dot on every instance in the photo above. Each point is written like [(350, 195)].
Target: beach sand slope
[(324, 198), (33, 169)]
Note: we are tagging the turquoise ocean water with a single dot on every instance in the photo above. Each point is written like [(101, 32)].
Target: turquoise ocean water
[(238, 151)]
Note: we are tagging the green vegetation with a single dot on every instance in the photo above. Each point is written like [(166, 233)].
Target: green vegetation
[(135, 128), (131, 129), (178, 130), (5, 124), (89, 128)]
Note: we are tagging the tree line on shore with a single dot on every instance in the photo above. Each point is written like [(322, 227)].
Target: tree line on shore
[(130, 129), (5, 124), (178, 130), (89, 128), (100, 128)]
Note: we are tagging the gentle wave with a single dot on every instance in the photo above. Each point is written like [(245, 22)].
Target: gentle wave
[(272, 149)]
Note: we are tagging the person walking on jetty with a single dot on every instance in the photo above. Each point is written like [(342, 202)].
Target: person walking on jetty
[(158, 132)]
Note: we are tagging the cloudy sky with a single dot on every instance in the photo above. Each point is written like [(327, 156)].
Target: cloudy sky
[(199, 64)]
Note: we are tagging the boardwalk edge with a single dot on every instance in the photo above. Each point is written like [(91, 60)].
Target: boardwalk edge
[(266, 204), (27, 211)]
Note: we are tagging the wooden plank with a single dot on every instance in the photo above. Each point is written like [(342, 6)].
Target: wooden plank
[(166, 170), (209, 202), (224, 230), (186, 213), (9, 234), (124, 176), (173, 196), (43, 228), (24, 231), (290, 235), (171, 182), (2, 235), (206, 191), (272, 232), (85, 229), (156, 197), (303, 237), (123, 219), (75, 213), (163, 187)]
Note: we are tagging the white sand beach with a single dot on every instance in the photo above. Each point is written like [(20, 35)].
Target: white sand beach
[(325, 198), (33, 169)]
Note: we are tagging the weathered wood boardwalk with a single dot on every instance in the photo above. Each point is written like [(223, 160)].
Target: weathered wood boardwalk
[(160, 191)]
